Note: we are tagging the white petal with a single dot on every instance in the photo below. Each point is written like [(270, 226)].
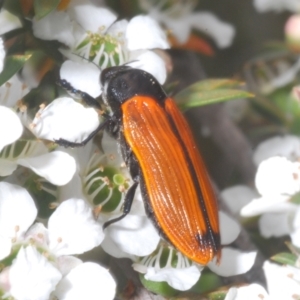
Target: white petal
[(79, 233), (8, 21), (110, 247), (236, 197), (269, 181), (5, 243), (144, 33), (277, 5), (67, 119), (99, 18), (252, 291), (287, 146), (17, 210), (229, 229), (295, 237), (57, 167), (151, 63), (111, 149), (55, 26), (2, 55), (233, 262), (281, 282), (82, 76), (271, 204), (12, 124), (7, 167), (180, 279), (274, 224), (295, 234), (66, 263), (86, 281), (32, 276), (118, 30), (134, 234), (221, 32), (180, 27)]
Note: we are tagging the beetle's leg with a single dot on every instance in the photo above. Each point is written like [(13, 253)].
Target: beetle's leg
[(88, 99), (66, 143), (127, 204)]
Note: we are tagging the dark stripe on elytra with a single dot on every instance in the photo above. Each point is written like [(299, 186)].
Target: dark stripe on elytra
[(210, 236)]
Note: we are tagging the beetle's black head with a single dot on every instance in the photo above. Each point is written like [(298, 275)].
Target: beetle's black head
[(123, 82)]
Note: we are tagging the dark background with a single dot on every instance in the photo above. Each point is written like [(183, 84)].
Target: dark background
[(253, 30)]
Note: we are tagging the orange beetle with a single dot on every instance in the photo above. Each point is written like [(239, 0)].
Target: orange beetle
[(159, 150)]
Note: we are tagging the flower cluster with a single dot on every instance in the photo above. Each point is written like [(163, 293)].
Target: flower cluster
[(276, 201), (54, 201)]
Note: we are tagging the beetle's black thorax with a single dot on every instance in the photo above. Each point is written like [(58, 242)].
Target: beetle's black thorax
[(122, 83)]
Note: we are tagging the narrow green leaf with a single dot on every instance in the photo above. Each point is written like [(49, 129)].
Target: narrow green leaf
[(213, 84), (187, 99), (12, 65), (43, 7), (285, 258)]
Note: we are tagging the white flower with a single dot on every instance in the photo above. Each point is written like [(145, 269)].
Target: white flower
[(80, 234), (32, 276), (181, 18), (283, 281), (101, 39), (287, 146), (277, 5), (39, 267), (57, 167), (86, 281), (252, 291), (277, 180)]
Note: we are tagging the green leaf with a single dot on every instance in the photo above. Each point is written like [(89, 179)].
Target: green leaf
[(213, 84), (12, 65), (192, 98), (43, 7), (210, 91), (285, 258), (161, 288)]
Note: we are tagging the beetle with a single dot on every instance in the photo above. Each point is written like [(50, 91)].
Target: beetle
[(160, 152)]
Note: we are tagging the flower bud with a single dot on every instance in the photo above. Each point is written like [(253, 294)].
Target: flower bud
[(292, 32)]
